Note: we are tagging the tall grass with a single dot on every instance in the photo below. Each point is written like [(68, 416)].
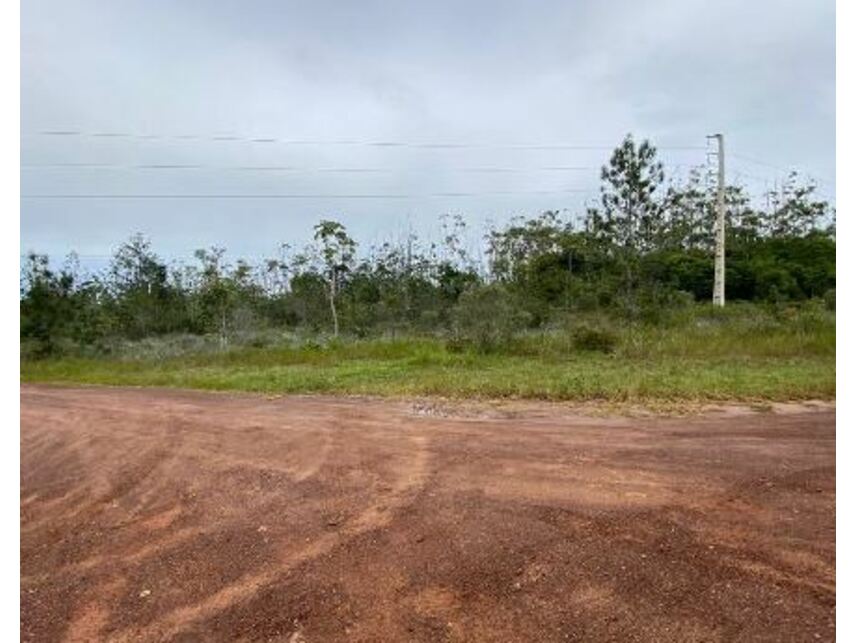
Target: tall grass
[(699, 353)]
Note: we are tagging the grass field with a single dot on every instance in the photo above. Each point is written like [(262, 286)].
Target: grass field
[(742, 354)]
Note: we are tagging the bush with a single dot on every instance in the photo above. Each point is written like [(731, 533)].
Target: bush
[(485, 317), (36, 349), (830, 299), (590, 338)]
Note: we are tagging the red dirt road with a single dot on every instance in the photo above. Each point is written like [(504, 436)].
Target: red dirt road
[(151, 515)]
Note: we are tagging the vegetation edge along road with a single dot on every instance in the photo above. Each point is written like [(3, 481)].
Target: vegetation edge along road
[(408, 368)]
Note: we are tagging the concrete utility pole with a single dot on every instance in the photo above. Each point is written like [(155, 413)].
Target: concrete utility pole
[(719, 296)]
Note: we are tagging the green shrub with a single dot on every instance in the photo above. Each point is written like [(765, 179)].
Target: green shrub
[(485, 317), (591, 338), (830, 299)]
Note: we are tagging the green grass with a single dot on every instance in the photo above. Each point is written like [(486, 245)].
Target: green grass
[(701, 355)]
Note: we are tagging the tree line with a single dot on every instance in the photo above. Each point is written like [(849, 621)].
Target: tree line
[(645, 247)]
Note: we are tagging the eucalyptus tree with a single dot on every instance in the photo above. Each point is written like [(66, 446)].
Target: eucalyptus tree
[(337, 251)]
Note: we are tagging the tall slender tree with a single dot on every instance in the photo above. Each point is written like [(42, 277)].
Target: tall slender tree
[(631, 214), (337, 252)]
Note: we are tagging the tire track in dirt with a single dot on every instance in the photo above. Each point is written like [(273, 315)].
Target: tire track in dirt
[(94, 496), (76, 502), (377, 515), (189, 444), (89, 621)]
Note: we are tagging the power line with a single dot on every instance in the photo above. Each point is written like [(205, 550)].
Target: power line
[(348, 142), (532, 146), (80, 255), (304, 196), (750, 159), (297, 169), (293, 168), (740, 174), (779, 168)]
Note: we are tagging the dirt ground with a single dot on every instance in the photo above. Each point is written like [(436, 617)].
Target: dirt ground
[(152, 515)]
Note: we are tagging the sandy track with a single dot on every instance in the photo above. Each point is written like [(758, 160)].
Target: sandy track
[(152, 515)]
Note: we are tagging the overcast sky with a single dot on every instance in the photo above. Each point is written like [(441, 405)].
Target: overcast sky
[(366, 98)]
